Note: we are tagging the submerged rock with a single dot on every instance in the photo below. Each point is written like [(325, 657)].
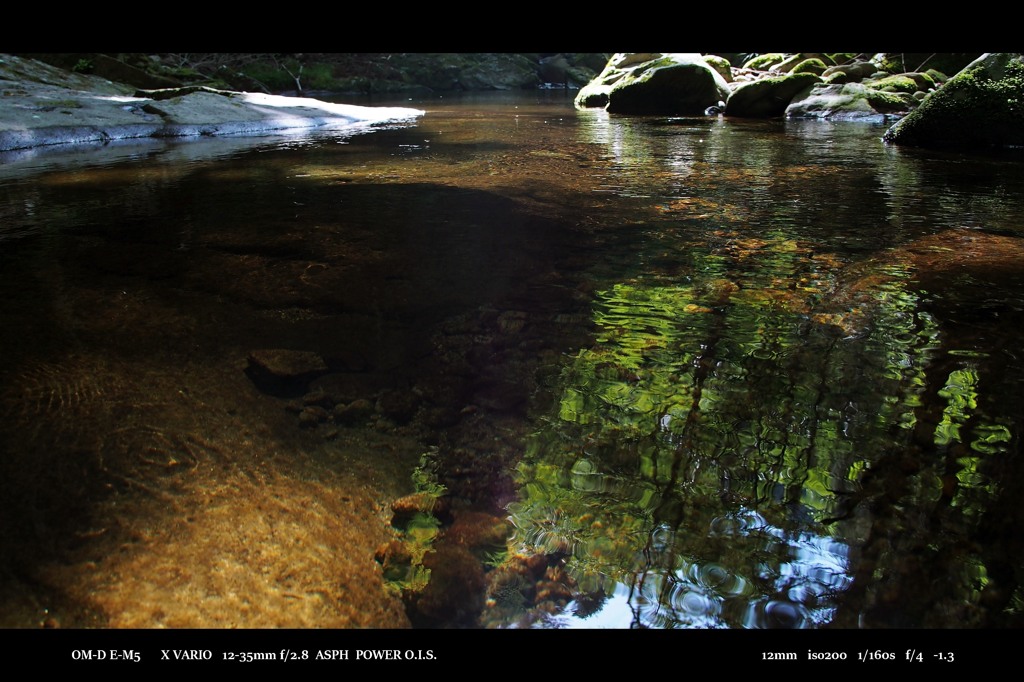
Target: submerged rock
[(982, 106), (287, 364), (404, 508), (355, 412), (279, 371)]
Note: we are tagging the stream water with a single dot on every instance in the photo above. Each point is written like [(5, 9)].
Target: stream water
[(562, 369)]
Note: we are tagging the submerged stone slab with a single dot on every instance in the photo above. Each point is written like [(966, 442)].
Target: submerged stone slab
[(284, 372), (45, 106), (287, 364)]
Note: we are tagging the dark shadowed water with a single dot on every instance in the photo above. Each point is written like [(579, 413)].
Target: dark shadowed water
[(543, 368)]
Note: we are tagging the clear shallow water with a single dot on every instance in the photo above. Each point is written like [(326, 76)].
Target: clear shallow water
[(714, 373)]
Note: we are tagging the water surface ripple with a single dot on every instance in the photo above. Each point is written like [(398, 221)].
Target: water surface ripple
[(671, 373)]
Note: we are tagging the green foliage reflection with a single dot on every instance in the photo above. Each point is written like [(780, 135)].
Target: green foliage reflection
[(705, 402)]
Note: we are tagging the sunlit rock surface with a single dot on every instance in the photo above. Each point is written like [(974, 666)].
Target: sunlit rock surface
[(848, 102), (655, 83), (43, 105)]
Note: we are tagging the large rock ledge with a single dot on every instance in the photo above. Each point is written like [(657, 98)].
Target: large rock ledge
[(43, 105)]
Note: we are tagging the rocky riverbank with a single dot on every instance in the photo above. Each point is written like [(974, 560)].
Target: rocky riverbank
[(978, 108)]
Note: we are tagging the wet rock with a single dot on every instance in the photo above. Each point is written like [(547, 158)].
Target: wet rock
[(721, 65), (982, 106), (768, 97), (279, 371), (854, 72), (355, 412), (896, 83), (31, 118), (790, 63), (313, 415), (848, 102), (812, 65), (764, 62), (655, 83), (395, 559)]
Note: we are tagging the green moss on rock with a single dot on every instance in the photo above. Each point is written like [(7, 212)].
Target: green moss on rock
[(901, 83), (763, 62), (721, 65), (655, 83), (848, 101), (887, 102), (812, 65), (982, 106), (923, 81)]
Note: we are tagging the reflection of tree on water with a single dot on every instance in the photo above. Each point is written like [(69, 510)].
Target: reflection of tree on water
[(732, 450)]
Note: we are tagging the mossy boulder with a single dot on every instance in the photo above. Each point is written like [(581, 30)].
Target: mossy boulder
[(813, 65), (655, 83), (763, 62), (721, 65), (923, 80), (886, 102), (900, 83), (789, 64), (737, 59), (848, 102), (902, 62), (768, 97), (982, 106), (854, 71)]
